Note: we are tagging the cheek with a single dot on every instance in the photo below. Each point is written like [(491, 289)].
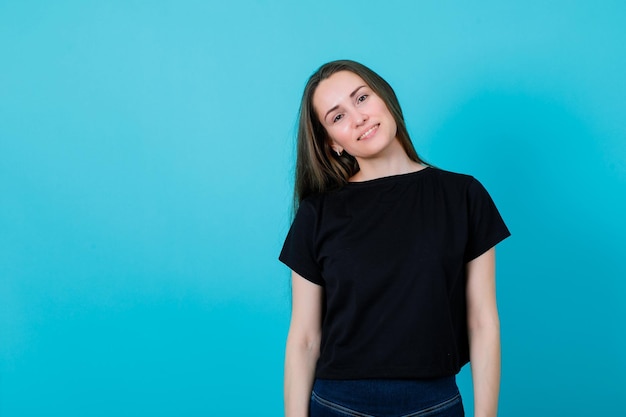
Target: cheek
[(343, 134), (392, 121), (335, 133)]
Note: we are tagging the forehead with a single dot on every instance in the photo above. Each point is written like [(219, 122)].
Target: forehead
[(335, 89)]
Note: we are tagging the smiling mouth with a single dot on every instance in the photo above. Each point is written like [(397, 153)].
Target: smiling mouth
[(368, 132)]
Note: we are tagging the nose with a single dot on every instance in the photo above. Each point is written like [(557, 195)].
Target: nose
[(360, 118)]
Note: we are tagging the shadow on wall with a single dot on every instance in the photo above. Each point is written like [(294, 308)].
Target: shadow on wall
[(561, 275)]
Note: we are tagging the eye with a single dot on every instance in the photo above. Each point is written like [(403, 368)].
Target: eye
[(361, 98), (337, 118)]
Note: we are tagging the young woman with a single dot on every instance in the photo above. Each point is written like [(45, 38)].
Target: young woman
[(393, 264)]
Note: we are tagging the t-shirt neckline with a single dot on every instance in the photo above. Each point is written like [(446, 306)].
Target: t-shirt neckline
[(388, 178)]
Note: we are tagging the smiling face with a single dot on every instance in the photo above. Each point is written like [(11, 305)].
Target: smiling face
[(355, 118)]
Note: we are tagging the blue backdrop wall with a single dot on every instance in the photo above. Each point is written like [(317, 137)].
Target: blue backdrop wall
[(146, 161)]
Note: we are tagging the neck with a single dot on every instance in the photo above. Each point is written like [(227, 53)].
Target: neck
[(395, 162)]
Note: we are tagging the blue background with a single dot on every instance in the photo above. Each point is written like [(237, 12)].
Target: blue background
[(146, 162)]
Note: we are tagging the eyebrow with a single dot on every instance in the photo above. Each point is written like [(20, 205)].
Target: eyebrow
[(352, 94)]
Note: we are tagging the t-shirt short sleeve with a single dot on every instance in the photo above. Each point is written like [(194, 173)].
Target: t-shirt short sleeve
[(486, 227), (298, 251)]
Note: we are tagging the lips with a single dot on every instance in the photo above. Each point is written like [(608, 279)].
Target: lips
[(369, 132)]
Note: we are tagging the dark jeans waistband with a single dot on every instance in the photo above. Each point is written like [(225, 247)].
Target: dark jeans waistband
[(382, 397)]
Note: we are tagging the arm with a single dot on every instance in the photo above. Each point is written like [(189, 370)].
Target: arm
[(303, 345), (484, 333)]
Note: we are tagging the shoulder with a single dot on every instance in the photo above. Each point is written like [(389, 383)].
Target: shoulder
[(311, 208), (317, 202), (311, 203), (451, 179), (450, 175), (463, 186)]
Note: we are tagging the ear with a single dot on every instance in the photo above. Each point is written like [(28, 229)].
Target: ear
[(336, 148)]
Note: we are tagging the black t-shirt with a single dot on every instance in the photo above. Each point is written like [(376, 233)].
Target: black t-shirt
[(391, 256)]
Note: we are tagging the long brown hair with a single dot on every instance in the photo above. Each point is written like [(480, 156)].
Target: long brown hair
[(318, 168)]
